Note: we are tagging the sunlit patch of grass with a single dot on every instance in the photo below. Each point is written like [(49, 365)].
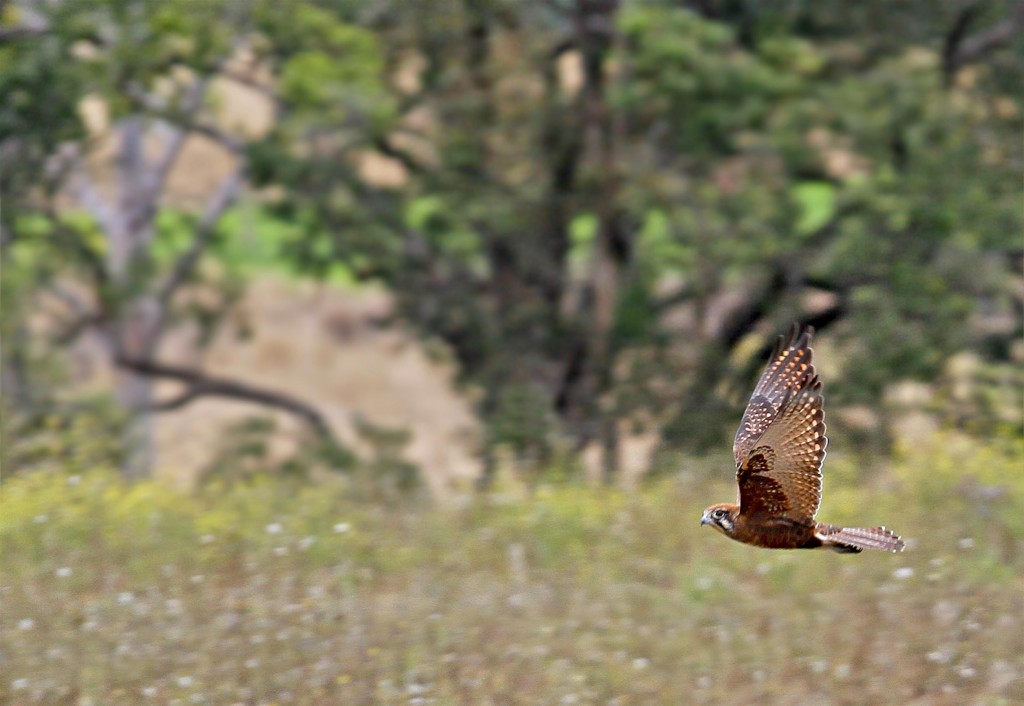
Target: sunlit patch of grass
[(275, 591)]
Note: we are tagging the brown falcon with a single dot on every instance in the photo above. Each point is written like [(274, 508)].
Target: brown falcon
[(778, 449)]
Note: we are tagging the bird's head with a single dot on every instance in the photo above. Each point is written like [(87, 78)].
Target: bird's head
[(722, 517)]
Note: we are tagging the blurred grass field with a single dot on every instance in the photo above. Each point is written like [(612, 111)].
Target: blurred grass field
[(275, 591)]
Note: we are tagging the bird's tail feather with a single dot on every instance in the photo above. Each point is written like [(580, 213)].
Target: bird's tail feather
[(855, 539)]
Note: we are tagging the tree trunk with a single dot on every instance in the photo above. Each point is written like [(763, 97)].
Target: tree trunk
[(133, 331), (134, 393), (596, 28)]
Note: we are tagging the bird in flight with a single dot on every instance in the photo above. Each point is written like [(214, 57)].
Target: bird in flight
[(778, 449)]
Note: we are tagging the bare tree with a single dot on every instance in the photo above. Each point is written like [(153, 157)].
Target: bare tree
[(134, 305)]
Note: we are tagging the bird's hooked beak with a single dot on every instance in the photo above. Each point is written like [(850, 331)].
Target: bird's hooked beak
[(705, 520)]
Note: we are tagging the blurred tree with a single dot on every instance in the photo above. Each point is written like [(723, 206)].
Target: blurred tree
[(151, 66), (608, 212), (605, 209)]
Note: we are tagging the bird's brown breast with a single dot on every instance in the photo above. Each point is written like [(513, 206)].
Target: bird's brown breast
[(775, 533)]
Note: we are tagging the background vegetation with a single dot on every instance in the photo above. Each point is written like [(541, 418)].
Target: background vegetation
[(598, 214), (273, 592)]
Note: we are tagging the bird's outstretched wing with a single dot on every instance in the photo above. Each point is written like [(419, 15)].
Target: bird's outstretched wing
[(787, 368), (781, 441)]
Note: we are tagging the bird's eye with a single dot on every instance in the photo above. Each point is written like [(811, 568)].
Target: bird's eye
[(719, 512)]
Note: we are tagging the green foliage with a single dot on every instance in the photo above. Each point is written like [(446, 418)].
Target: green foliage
[(250, 239), (565, 590), (243, 454), (694, 70), (522, 423), (330, 69), (731, 162), (385, 475), (44, 425), (142, 41), (779, 155), (71, 436), (448, 233), (39, 87), (866, 177), (817, 203)]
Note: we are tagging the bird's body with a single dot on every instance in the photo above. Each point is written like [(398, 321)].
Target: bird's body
[(779, 448)]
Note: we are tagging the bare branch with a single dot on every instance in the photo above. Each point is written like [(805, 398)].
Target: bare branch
[(228, 142), (75, 328), (563, 46), (743, 319), (385, 147), (185, 115), (179, 124), (12, 34), (818, 321), (785, 276), (190, 105), (961, 49), (82, 315), (682, 295), (177, 402), (32, 24), (91, 259), (823, 319), (219, 202), (203, 385), (69, 298), (84, 191)]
